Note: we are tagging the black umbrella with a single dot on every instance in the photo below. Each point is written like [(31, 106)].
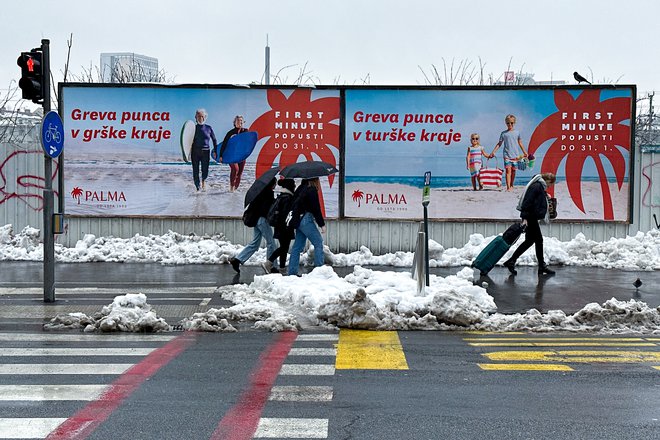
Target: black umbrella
[(260, 184), (308, 170)]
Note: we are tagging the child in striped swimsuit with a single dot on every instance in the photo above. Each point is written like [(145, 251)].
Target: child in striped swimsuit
[(473, 160)]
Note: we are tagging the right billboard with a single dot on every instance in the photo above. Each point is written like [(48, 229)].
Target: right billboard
[(482, 146)]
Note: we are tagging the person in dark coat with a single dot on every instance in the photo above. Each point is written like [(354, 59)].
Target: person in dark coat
[(533, 206), (262, 204), (203, 142), (307, 208), (283, 233)]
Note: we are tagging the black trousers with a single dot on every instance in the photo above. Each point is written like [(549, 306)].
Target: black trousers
[(200, 157), (281, 251), (533, 236)]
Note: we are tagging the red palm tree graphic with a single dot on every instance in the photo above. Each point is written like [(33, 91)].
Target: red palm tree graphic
[(77, 193), (571, 110), (358, 196), (310, 123)]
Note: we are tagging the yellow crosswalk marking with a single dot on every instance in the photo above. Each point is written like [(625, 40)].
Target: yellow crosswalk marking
[(525, 367), (543, 339), (562, 344), (581, 356), (370, 350)]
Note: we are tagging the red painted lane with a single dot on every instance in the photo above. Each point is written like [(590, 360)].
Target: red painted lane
[(85, 421), (240, 422)]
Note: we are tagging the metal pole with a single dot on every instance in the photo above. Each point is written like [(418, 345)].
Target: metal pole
[(426, 244), (267, 72), (48, 237)]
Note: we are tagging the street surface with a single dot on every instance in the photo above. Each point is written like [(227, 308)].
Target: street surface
[(336, 385), (317, 383)]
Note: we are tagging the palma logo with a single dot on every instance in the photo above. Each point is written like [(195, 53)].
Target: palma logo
[(358, 196), (77, 193), (97, 196), (378, 198)]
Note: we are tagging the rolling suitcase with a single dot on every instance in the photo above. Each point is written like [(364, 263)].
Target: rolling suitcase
[(491, 254)]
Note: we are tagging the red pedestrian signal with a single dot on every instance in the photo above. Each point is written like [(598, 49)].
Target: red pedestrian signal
[(32, 76)]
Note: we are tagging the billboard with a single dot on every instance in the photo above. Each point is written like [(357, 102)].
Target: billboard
[(393, 136), (127, 147)]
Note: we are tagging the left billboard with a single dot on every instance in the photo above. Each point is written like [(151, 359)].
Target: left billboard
[(128, 147)]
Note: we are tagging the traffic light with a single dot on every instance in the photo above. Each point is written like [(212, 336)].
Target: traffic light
[(32, 75)]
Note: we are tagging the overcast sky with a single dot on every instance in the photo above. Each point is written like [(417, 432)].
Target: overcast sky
[(345, 41)]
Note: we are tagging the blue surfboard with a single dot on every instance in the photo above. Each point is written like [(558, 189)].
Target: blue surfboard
[(238, 148)]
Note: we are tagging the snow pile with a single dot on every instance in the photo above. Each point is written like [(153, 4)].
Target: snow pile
[(170, 248), (380, 300), (639, 252), (25, 246), (266, 314), (127, 313), (611, 317)]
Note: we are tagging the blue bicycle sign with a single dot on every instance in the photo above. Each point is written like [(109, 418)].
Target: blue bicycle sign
[(52, 134)]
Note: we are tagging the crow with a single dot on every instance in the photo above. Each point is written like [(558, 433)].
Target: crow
[(637, 283), (579, 78)]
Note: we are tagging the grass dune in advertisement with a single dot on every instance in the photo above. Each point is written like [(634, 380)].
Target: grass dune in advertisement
[(483, 146), (147, 151)]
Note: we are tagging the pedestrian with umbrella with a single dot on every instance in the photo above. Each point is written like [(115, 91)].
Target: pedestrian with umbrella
[(306, 215), (277, 218), (258, 200)]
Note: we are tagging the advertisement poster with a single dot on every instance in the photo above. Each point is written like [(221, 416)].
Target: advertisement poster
[(393, 137), (129, 150)]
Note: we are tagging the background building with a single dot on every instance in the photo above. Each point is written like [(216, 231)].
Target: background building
[(122, 67)]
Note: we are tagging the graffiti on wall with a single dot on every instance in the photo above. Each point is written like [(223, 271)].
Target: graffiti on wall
[(647, 195), (24, 188)]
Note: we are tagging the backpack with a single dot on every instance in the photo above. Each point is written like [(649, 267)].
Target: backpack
[(278, 210), (293, 220), (250, 216)]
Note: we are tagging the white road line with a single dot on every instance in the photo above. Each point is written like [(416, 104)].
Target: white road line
[(156, 299), (50, 392), (28, 427), (92, 337), (318, 337), (313, 352), (301, 393), (307, 370), (205, 302), (75, 351), (292, 428), (170, 288), (64, 368)]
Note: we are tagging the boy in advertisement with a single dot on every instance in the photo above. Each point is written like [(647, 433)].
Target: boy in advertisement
[(513, 147)]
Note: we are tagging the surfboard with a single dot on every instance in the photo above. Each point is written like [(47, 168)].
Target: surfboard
[(186, 139), (239, 147)]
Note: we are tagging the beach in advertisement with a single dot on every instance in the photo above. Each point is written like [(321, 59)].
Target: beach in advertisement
[(583, 136), (129, 152), (164, 190), (369, 199)]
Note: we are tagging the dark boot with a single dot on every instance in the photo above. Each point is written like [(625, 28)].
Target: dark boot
[(545, 270), (236, 264), (511, 265)]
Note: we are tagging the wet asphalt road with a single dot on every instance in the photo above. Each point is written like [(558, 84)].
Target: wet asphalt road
[(569, 290)]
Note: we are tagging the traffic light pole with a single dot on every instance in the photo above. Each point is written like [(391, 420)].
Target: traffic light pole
[(49, 199)]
